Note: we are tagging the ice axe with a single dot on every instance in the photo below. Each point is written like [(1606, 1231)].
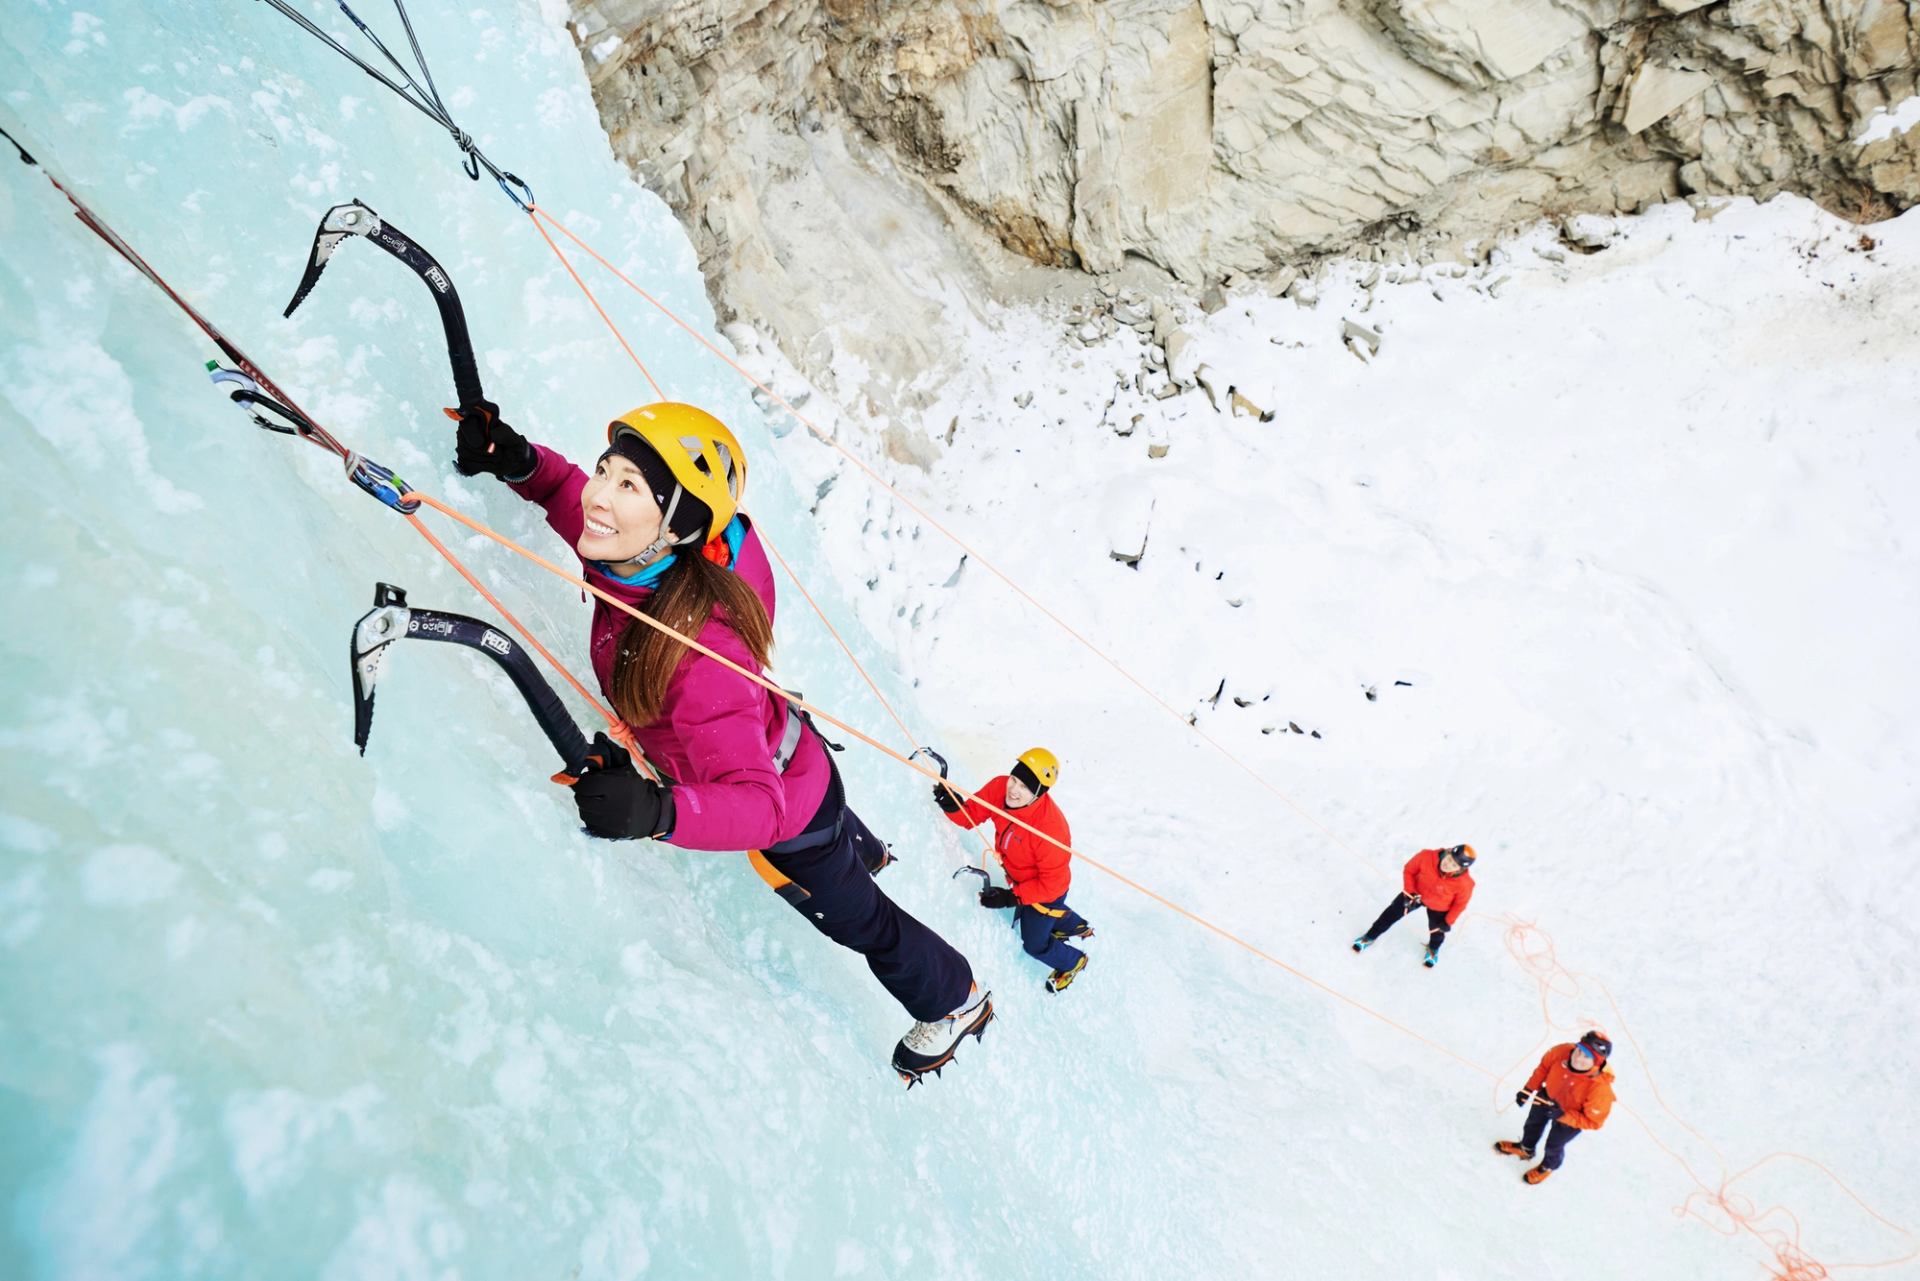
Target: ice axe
[(391, 620), (941, 761), (354, 219)]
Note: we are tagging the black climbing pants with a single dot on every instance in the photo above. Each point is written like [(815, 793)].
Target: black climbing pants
[(1559, 1134), (829, 863), (1436, 921)]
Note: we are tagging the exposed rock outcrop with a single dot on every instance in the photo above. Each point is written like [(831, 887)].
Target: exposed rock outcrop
[(908, 152)]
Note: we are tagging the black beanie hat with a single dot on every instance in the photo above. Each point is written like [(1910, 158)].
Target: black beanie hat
[(1025, 775), (692, 517)]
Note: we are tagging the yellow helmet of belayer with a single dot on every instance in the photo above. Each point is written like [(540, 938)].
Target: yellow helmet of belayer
[(1042, 764), (703, 455)]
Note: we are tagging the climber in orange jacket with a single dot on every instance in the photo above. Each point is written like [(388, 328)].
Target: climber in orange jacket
[(1437, 880), (1571, 1090), (1038, 870)]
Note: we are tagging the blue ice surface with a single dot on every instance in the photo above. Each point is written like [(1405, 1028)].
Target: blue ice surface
[(270, 1009)]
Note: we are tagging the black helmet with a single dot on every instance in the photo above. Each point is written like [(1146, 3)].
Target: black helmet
[(1598, 1045)]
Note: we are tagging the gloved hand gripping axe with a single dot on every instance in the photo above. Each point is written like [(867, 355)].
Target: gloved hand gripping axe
[(941, 761)]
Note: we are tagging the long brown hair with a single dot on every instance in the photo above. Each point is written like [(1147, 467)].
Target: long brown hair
[(689, 592)]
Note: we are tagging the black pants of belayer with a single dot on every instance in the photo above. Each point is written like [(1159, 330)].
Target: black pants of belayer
[(829, 864), (1401, 905), (1558, 1136)]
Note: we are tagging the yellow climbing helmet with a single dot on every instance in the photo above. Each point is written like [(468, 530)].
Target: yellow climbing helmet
[(698, 449), (1041, 763)]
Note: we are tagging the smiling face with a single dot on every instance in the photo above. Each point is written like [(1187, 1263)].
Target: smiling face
[(1449, 865), (622, 519), (1018, 795), (1581, 1059)]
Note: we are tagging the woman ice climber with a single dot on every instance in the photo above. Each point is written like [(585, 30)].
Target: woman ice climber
[(658, 525), (1039, 871)]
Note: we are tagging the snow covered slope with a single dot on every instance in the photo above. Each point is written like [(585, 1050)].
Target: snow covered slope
[(1637, 531)]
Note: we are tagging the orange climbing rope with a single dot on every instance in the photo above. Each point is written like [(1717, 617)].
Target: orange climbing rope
[(618, 730), (620, 337)]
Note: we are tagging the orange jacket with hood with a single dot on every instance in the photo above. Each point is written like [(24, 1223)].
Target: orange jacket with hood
[(1037, 870), (1421, 878), (1585, 1098)]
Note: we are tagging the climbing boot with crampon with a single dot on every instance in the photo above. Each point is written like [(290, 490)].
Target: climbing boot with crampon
[(1362, 943), (1433, 957), (928, 1047), (1059, 979), (1080, 931), (1507, 1147), (1538, 1174)]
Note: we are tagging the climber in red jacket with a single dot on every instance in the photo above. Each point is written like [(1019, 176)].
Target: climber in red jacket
[(1571, 1091), (1038, 868), (1437, 880)]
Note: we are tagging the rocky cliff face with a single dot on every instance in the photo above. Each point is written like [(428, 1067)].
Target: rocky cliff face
[(916, 150)]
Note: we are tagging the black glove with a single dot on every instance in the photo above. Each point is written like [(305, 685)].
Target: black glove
[(1523, 1097), (998, 896), (485, 444), (615, 802), (946, 798)]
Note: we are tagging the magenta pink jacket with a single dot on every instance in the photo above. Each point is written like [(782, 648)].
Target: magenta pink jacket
[(717, 731)]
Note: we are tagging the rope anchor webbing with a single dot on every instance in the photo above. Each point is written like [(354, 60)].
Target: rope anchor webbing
[(426, 100)]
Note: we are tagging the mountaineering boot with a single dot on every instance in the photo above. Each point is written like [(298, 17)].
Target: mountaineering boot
[(1080, 931), (1538, 1174), (1362, 943), (928, 1047), (1506, 1147), (1058, 980), (1433, 957)]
